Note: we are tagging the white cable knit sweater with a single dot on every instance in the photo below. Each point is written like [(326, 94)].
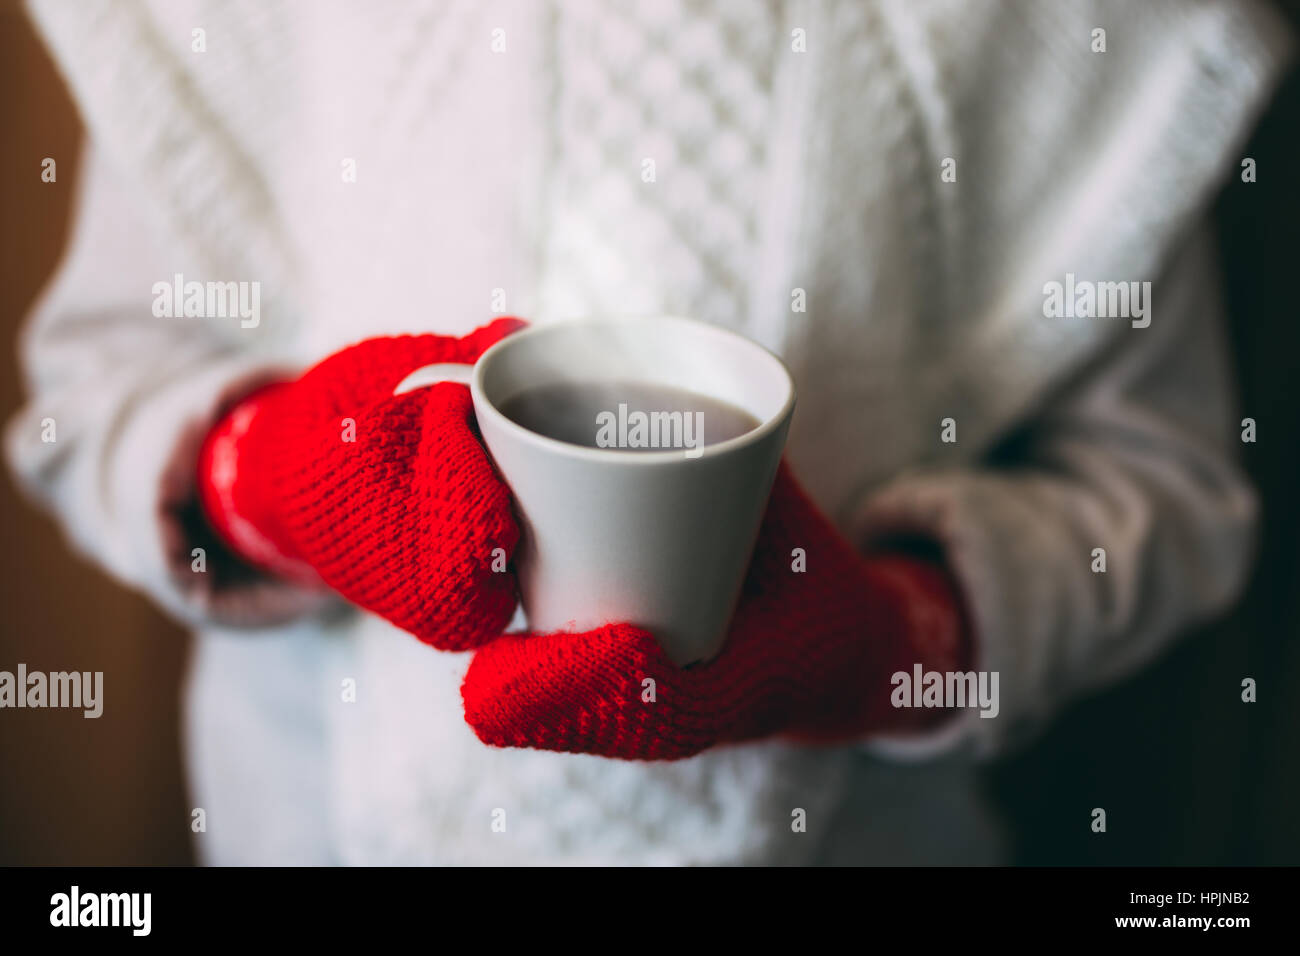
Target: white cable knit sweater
[(722, 162)]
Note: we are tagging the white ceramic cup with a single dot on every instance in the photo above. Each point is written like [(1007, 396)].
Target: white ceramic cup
[(660, 539)]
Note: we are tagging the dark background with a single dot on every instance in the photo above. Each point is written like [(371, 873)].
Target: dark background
[(1187, 773)]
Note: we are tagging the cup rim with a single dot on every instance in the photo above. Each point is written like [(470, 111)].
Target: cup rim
[(482, 404)]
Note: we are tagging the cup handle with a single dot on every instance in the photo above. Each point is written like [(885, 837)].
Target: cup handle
[(434, 374)]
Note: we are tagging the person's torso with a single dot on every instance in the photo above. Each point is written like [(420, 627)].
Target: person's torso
[(591, 160), (565, 160)]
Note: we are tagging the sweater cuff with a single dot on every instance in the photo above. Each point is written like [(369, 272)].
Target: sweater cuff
[(202, 580), (929, 509)]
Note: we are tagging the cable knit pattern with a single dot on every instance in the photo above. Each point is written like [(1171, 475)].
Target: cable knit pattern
[(684, 86), (810, 653)]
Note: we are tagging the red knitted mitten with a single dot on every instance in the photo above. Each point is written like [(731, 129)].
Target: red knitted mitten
[(810, 654), (391, 501)]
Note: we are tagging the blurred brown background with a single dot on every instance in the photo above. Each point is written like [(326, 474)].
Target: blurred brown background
[(73, 790), (1186, 772)]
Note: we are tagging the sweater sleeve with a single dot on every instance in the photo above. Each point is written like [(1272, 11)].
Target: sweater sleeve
[(1135, 459), (119, 400)]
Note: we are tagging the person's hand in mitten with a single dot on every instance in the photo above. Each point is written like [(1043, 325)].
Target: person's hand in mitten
[(389, 500), (810, 654)]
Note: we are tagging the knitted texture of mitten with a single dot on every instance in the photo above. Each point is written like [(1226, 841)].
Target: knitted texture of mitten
[(810, 654), (390, 500)]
